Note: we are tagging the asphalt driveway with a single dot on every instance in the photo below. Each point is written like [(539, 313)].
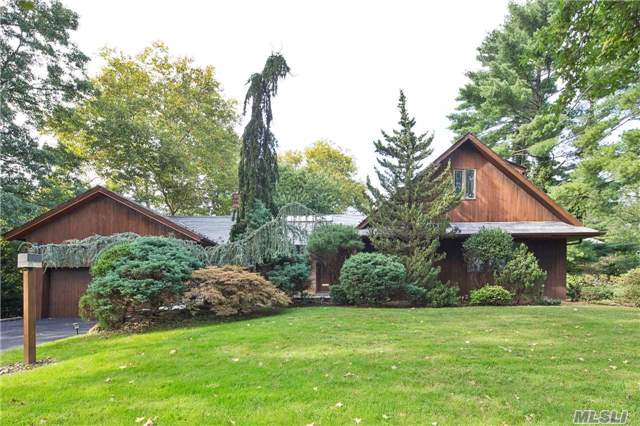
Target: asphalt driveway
[(47, 330)]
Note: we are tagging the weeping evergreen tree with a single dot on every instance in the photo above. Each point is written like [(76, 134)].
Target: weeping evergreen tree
[(258, 169), (409, 214)]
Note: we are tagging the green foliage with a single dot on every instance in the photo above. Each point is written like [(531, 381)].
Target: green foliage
[(258, 169), (509, 100), (630, 283), (290, 274), (494, 295), (258, 216), (549, 301), (338, 295), (322, 177), (317, 191), (409, 215), (78, 253), (41, 70), (158, 129), (440, 296), (574, 288), (330, 239), (491, 248), (372, 279), (597, 45), (11, 280), (145, 273), (522, 274), (596, 293), (231, 290)]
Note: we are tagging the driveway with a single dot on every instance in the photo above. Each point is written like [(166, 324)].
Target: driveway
[(47, 330)]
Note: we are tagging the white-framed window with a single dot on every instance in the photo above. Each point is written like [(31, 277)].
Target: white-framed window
[(465, 183)]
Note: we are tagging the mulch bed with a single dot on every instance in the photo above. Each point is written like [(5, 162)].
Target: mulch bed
[(19, 366)]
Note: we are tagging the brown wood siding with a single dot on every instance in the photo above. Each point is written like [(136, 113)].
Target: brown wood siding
[(98, 216), (551, 255), (66, 286), (498, 197)]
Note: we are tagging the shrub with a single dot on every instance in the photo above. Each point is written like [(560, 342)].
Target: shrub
[(630, 281), (144, 273), (332, 239), (595, 293), (522, 274), (494, 295), (574, 288), (442, 295), (338, 295), (549, 301), (491, 248), (231, 290), (372, 278), (290, 275)]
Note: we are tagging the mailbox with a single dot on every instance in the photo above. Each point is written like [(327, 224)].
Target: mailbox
[(29, 260)]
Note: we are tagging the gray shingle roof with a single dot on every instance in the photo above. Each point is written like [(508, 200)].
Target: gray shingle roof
[(520, 229), (214, 228), (217, 228)]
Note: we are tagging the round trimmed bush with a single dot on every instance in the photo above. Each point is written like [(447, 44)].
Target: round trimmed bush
[(290, 275), (493, 295), (372, 279), (142, 274)]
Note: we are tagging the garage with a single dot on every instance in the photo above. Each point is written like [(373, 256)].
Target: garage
[(95, 212)]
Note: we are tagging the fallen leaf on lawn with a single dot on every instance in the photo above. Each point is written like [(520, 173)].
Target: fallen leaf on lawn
[(393, 367), (467, 342), (517, 397), (349, 374), (581, 359), (149, 422), (339, 404), (108, 380), (131, 382), (139, 419), (613, 367), (311, 424), (315, 388), (625, 362), (122, 367), (357, 420), (235, 359), (384, 416), (173, 351)]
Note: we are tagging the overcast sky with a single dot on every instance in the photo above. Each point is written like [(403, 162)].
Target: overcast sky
[(348, 59)]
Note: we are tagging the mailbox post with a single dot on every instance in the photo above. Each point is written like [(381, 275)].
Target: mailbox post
[(29, 261)]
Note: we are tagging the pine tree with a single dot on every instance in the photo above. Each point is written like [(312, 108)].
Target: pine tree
[(258, 169), (409, 214)]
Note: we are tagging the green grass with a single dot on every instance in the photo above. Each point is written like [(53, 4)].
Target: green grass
[(481, 365)]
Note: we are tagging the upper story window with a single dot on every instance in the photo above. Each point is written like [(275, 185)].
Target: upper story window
[(465, 183)]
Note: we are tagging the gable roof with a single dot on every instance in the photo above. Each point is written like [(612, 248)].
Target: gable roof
[(505, 167), (511, 170), (85, 197)]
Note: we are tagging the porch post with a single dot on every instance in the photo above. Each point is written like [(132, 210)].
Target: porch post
[(29, 262)]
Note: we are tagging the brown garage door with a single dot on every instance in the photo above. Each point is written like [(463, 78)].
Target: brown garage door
[(65, 288)]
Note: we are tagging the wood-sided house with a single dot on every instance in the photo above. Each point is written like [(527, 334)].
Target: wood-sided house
[(496, 194)]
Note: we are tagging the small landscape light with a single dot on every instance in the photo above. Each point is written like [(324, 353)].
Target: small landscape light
[(76, 327)]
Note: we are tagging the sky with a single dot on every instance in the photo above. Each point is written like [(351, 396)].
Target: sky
[(348, 59)]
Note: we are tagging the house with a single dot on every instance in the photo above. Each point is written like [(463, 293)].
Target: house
[(496, 194), (100, 211)]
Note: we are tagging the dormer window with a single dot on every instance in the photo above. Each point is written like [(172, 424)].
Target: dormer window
[(465, 183)]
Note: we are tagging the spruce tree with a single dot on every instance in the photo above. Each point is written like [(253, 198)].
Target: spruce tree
[(258, 169), (409, 214)]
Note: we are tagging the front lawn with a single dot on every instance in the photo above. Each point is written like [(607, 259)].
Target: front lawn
[(329, 365)]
